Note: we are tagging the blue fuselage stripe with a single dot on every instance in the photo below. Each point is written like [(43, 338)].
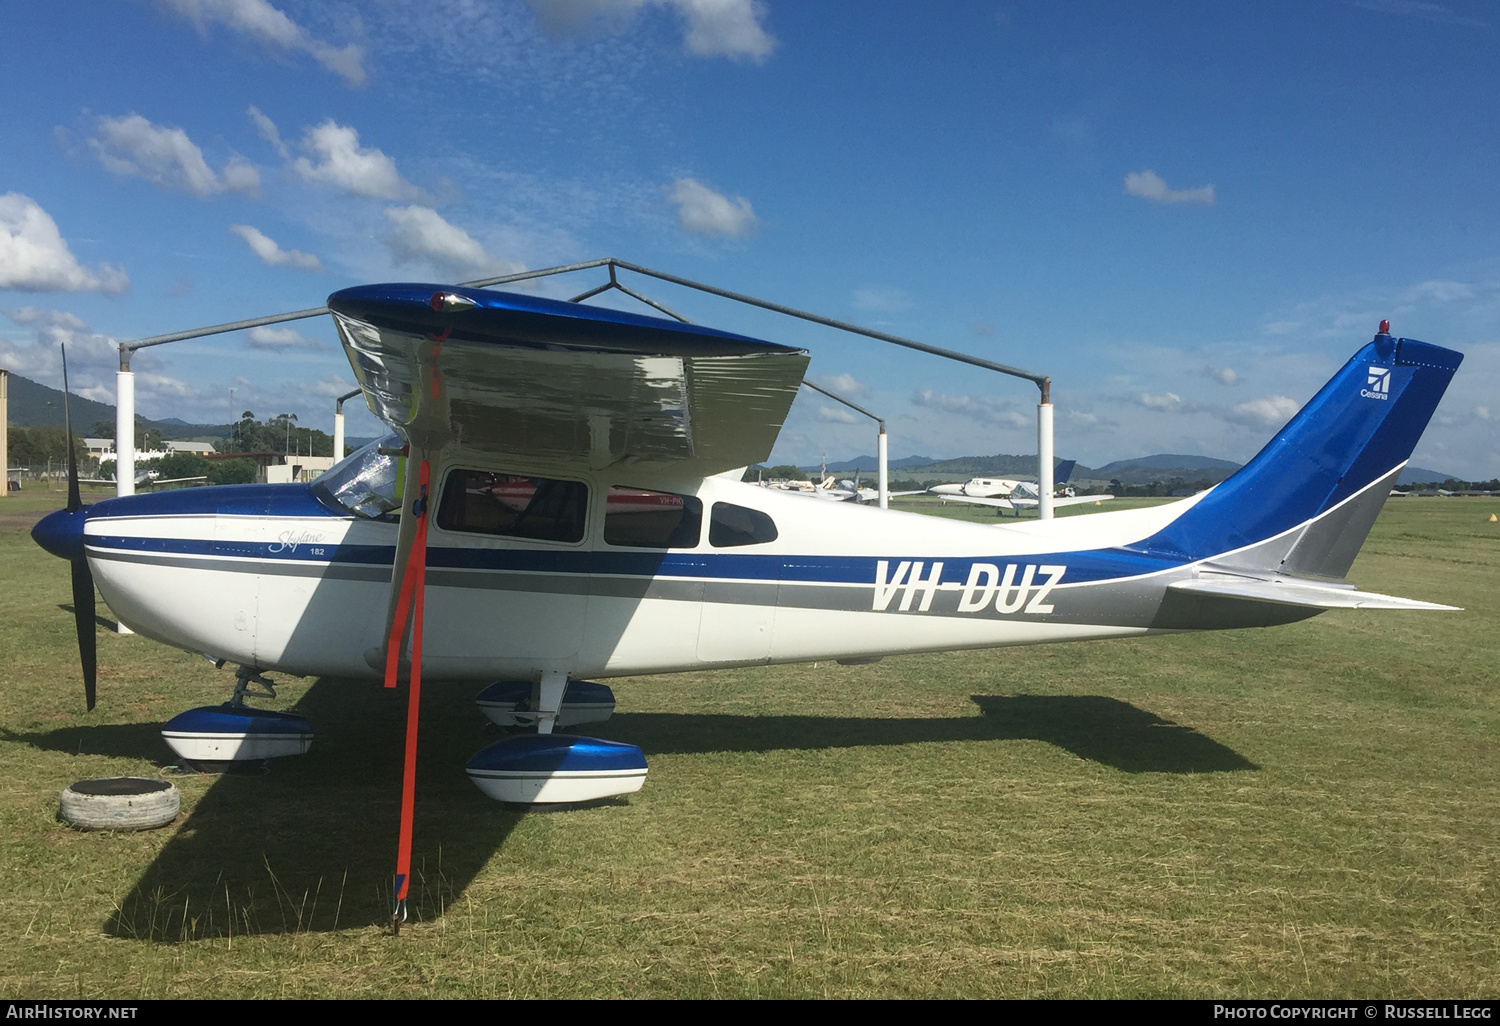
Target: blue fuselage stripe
[(1082, 567)]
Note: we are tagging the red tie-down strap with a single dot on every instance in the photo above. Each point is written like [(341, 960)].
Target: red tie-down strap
[(410, 597)]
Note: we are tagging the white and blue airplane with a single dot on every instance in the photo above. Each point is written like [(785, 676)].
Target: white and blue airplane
[(560, 501)]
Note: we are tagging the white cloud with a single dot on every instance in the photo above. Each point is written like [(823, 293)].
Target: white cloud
[(1482, 413), (1438, 291), (166, 157), (341, 161), (1149, 185), (1272, 411), (1420, 9), (1223, 375), (90, 354), (273, 255), (267, 129), (267, 337), (160, 386), (844, 384), (837, 415), (968, 406), (34, 257), (702, 211), (726, 28), (883, 298), (420, 234), (271, 28), (1165, 401), (715, 28), (44, 318)]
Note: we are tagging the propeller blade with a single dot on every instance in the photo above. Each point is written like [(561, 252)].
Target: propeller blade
[(75, 503), (83, 614), (83, 580)]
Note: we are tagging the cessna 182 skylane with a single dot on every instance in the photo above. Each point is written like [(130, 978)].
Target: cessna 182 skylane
[(560, 500)]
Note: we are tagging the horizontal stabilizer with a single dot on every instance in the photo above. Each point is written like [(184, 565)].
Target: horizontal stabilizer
[(1285, 592)]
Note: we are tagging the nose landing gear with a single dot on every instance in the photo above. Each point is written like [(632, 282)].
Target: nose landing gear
[(213, 738)]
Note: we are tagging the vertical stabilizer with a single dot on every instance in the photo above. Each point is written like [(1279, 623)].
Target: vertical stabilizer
[(1334, 457)]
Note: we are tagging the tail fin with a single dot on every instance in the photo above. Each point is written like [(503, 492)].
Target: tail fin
[(1063, 471), (1327, 472)]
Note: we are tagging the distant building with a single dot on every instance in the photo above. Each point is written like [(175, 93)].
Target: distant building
[(201, 448), (279, 467)]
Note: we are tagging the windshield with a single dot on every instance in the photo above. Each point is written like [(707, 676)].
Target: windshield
[(366, 481)]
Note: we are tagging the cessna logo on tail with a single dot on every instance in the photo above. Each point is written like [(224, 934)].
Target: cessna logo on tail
[(1379, 384), (984, 589)]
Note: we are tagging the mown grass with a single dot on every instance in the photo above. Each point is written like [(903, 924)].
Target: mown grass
[(1304, 811)]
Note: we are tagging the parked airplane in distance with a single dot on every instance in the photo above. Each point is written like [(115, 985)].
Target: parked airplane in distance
[(1012, 493)]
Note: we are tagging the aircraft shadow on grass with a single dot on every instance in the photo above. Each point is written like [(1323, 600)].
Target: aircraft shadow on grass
[(99, 621), (310, 845)]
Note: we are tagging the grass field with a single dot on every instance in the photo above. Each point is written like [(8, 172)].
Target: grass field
[(1311, 810)]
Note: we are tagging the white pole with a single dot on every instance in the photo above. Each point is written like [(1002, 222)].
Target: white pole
[(338, 432), (125, 432), (883, 456), (4, 441), (124, 442), (1044, 460)]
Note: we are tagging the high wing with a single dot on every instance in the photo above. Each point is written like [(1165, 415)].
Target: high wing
[(1061, 500), (496, 374), (1070, 500)]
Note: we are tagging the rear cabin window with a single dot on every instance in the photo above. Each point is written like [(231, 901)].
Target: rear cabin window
[(732, 525), (643, 519), (514, 505)]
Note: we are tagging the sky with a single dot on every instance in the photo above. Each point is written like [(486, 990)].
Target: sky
[(1189, 215)]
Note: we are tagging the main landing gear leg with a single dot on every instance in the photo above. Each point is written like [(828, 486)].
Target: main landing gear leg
[(549, 699), (245, 680)]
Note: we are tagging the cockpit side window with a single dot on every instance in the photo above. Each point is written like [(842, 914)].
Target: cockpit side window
[(645, 519), (732, 525), (367, 482), (514, 505)]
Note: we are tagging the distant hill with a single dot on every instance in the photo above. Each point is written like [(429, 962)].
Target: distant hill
[(1164, 467), (33, 404), (1171, 461), (1420, 475), (999, 465), (1142, 470), (868, 463)]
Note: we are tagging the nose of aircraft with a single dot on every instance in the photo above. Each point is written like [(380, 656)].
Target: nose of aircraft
[(61, 533)]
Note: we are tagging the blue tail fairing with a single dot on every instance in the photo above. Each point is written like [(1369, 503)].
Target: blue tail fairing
[(1359, 427)]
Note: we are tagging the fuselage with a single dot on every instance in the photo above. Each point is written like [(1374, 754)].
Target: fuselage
[(280, 578), (980, 487)]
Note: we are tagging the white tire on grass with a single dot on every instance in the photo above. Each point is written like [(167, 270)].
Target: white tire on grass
[(119, 803)]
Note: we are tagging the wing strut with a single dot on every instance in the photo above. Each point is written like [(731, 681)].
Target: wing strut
[(409, 601)]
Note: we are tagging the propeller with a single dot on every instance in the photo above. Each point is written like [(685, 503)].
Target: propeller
[(83, 580)]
